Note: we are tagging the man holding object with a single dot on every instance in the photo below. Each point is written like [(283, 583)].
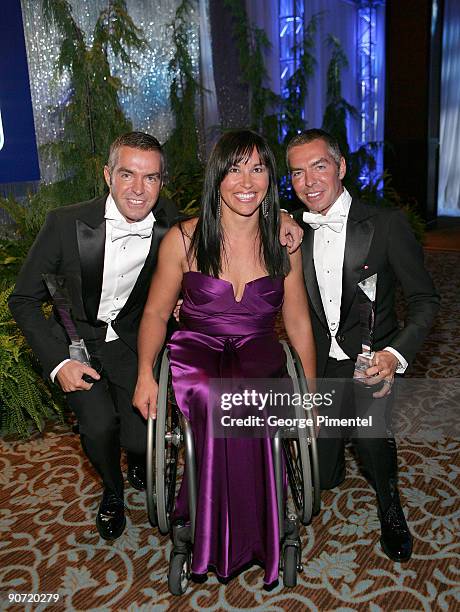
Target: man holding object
[(105, 250), (345, 242)]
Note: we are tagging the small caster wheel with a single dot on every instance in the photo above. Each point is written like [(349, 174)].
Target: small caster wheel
[(290, 566), (179, 573)]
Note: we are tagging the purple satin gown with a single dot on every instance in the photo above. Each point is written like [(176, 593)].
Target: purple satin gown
[(237, 516)]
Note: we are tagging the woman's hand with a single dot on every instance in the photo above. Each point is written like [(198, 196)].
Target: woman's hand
[(145, 397)]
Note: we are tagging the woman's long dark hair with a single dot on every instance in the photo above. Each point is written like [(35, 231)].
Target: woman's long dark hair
[(207, 244)]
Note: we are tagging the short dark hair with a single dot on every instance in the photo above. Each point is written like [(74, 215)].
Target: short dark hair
[(136, 140), (308, 136), (208, 244)]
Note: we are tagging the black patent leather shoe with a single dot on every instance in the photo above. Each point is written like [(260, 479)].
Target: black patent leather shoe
[(110, 519), (396, 539), (136, 476)]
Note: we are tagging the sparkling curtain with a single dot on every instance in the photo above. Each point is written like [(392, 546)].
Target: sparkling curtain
[(146, 102), (449, 156)]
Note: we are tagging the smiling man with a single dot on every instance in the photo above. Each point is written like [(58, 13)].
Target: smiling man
[(106, 251), (346, 241)]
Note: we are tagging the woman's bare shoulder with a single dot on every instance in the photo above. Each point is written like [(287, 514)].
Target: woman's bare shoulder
[(176, 243), (188, 226)]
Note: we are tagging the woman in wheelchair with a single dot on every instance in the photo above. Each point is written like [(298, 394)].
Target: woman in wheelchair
[(235, 277)]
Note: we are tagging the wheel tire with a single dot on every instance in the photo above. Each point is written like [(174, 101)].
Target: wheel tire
[(299, 477), (166, 454), (290, 566), (306, 484), (150, 472), (178, 574)]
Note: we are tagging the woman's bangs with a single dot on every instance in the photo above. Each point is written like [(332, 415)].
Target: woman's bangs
[(242, 153)]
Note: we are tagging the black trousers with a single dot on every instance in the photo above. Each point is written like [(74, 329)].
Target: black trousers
[(376, 455), (106, 417)]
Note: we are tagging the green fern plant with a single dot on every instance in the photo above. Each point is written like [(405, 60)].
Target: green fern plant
[(185, 182), (382, 193), (252, 43), (26, 401), (92, 117), (337, 108), (297, 85)]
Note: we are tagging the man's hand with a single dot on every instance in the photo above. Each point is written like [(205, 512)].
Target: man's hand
[(291, 234), (176, 311), (70, 376), (145, 397), (383, 370)]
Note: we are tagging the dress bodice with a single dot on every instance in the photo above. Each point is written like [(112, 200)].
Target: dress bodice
[(210, 306)]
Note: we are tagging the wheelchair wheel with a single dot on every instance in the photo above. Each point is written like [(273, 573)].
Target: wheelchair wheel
[(179, 573), (168, 439), (301, 453), (290, 566), (299, 476), (150, 496)]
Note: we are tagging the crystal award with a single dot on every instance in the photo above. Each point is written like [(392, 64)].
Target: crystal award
[(63, 304), (367, 290)]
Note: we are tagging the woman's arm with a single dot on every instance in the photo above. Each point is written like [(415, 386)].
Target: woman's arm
[(162, 297), (296, 316)]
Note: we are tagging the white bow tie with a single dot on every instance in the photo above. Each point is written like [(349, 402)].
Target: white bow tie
[(315, 220), (123, 229)]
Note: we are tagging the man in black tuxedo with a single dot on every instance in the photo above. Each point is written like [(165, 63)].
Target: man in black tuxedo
[(106, 251), (346, 241)]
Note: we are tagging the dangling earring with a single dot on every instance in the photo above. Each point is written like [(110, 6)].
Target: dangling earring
[(265, 206), (219, 205)]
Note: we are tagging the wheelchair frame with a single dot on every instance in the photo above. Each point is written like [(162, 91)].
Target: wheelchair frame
[(170, 429)]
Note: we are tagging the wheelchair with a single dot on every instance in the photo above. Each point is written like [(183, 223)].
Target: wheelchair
[(171, 433)]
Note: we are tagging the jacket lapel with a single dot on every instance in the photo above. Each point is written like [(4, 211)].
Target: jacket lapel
[(309, 271), (90, 230), (360, 231), (160, 228)]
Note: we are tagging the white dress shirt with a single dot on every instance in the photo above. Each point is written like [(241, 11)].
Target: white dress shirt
[(124, 258), (126, 248), (328, 254)]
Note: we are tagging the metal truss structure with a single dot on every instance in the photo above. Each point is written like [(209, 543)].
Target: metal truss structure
[(369, 83)]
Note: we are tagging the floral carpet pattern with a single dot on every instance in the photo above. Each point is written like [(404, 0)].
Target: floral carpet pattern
[(49, 543)]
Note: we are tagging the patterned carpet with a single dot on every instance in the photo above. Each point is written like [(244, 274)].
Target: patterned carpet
[(49, 544)]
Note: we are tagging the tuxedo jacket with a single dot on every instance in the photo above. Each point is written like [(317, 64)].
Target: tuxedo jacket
[(378, 240), (71, 244)]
